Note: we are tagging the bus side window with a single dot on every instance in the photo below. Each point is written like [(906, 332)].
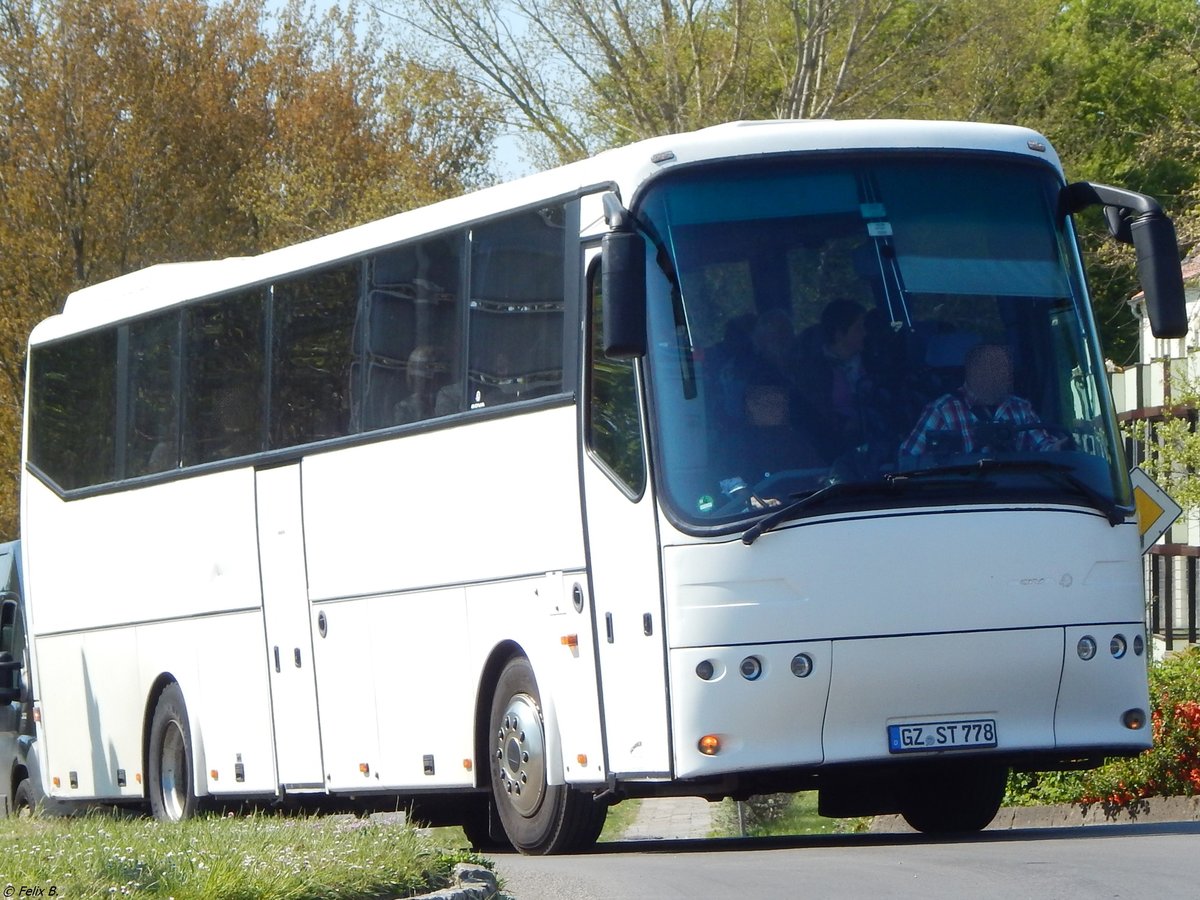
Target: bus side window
[(312, 355), (224, 390), (517, 301), (73, 408), (152, 441), (412, 346)]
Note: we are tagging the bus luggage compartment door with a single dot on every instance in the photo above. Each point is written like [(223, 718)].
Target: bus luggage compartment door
[(288, 629)]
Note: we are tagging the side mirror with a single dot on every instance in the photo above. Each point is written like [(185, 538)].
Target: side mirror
[(10, 688), (1137, 219), (623, 282)]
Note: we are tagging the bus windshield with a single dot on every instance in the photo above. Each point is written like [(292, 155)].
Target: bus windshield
[(878, 331)]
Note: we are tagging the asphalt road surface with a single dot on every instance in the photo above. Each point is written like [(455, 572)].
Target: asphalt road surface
[(1099, 861)]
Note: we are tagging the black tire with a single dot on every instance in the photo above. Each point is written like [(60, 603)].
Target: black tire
[(24, 801), (952, 799), (477, 828), (539, 818), (170, 766)]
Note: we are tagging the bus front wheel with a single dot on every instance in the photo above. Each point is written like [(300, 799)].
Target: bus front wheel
[(172, 796), (950, 798), (538, 817)]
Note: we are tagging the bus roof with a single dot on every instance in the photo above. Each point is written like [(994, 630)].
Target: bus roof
[(625, 168)]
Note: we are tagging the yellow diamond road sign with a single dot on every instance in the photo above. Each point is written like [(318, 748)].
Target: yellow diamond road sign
[(1155, 509)]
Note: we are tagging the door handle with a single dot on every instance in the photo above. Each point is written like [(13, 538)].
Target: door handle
[(297, 655), (277, 669)]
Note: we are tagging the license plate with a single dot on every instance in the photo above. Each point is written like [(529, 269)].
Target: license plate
[(965, 734)]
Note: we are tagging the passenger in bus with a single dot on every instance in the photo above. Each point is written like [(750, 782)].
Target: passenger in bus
[(425, 375), (836, 388), (773, 442), (982, 415)]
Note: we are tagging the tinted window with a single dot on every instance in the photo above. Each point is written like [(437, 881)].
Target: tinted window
[(614, 425), (311, 367), (224, 393), (516, 327), (152, 442), (412, 360), (73, 409)]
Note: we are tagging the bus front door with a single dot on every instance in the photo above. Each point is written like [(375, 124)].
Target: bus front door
[(623, 561), (288, 629)]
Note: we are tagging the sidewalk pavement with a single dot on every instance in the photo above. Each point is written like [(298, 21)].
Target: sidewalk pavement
[(670, 819)]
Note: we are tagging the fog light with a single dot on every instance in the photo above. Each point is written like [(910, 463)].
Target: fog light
[(1117, 646), (709, 745), (705, 670), (751, 668), (1134, 719), (1138, 645), (1086, 648), (802, 665)]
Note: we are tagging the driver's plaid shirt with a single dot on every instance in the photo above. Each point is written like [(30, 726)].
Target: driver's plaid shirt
[(952, 412)]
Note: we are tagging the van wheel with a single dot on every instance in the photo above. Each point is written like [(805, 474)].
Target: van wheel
[(24, 803), (947, 799), (539, 818), (172, 796)]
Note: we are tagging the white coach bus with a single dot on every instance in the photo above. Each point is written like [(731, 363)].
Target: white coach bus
[(406, 516)]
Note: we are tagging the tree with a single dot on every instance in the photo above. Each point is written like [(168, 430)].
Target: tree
[(135, 132), (581, 75), (1122, 106)]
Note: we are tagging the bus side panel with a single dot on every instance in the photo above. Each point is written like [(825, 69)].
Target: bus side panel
[(423, 689), (344, 659), (542, 613), (461, 505), (91, 719), (220, 666), (188, 589), (441, 543)]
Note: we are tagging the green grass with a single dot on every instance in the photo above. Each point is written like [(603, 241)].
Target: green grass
[(620, 817), (778, 815), (263, 857)]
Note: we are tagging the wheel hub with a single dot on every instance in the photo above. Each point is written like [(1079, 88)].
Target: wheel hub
[(521, 756)]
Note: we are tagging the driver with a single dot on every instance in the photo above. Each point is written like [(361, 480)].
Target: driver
[(968, 416)]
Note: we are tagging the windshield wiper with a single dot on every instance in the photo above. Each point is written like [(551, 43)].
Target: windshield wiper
[(1059, 472), (806, 502)]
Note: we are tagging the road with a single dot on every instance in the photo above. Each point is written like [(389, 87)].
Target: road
[(1101, 861)]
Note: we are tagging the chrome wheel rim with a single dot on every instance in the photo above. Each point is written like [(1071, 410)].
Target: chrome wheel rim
[(173, 772), (521, 755)]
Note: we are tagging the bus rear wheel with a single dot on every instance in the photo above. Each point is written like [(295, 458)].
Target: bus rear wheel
[(952, 798), (172, 796), (539, 818)]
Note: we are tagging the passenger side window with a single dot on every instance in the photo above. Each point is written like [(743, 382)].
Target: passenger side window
[(516, 308), (152, 439), (412, 357), (73, 409), (224, 390), (312, 355), (614, 420)]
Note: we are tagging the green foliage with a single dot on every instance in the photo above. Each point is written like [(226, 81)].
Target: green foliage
[(135, 132), (1170, 768), (768, 815), (1172, 445), (267, 857)]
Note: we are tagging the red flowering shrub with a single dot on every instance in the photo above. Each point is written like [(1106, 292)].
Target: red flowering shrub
[(1170, 768)]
